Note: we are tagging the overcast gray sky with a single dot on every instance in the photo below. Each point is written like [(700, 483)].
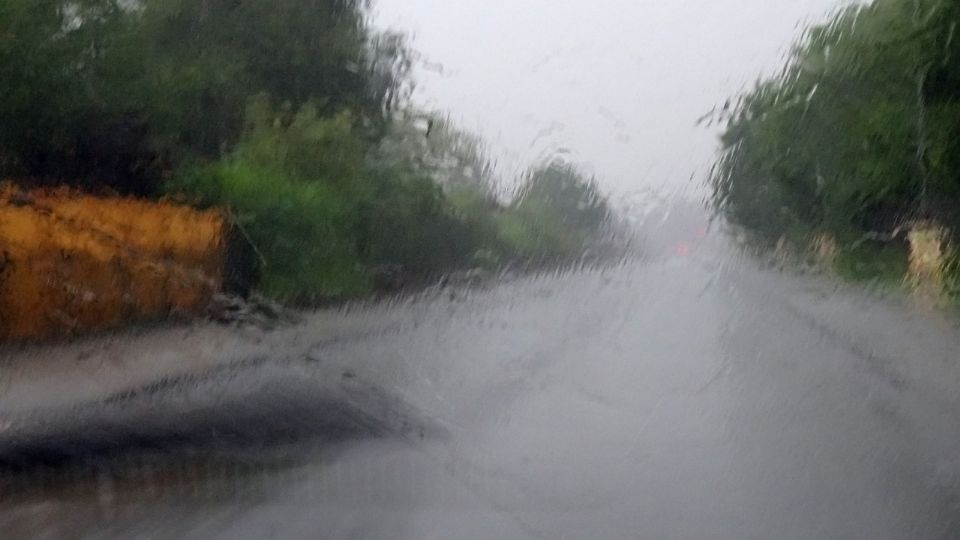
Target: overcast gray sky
[(619, 84)]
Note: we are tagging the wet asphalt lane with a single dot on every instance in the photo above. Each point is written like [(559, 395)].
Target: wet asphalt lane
[(689, 394)]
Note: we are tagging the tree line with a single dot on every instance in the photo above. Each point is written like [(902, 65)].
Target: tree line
[(859, 132), (292, 117)]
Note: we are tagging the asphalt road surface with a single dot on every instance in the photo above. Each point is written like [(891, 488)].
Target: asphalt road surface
[(689, 393)]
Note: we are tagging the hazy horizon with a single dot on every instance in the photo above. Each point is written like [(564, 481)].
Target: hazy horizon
[(616, 87)]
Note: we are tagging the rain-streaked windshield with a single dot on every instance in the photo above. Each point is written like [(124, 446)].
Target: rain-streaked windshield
[(411, 269)]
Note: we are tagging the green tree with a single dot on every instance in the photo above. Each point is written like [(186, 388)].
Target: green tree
[(119, 92), (858, 132)]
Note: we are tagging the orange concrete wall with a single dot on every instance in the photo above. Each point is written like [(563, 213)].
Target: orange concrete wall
[(73, 263)]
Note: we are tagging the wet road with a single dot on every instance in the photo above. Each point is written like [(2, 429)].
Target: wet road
[(687, 394)]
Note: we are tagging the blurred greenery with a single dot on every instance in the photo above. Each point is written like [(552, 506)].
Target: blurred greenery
[(880, 263), (858, 134), (327, 225), (291, 115), (119, 92), (555, 212)]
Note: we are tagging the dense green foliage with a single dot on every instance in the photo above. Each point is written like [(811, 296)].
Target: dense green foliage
[(118, 92), (555, 212), (859, 132), (327, 224), (289, 115)]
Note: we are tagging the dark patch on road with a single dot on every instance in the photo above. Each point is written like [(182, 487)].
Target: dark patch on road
[(245, 408)]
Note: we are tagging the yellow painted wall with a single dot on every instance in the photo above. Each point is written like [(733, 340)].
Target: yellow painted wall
[(72, 263)]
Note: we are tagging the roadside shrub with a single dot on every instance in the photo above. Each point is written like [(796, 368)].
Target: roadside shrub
[(883, 263), (327, 223), (323, 224), (409, 224), (533, 232), (294, 186), (299, 231), (555, 213)]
